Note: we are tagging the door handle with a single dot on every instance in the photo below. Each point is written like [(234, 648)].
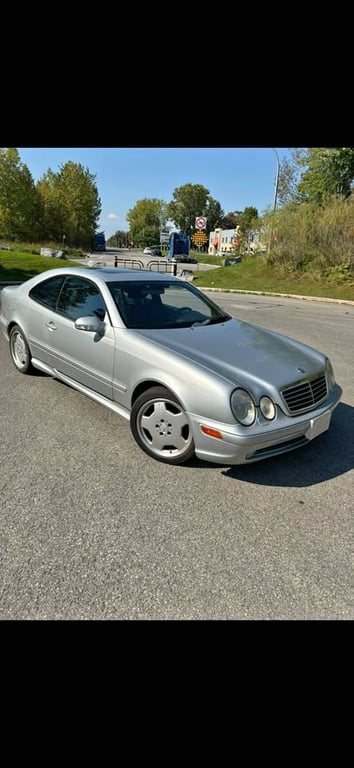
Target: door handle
[(51, 325)]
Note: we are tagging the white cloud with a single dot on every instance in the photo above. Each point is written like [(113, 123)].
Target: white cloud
[(113, 216)]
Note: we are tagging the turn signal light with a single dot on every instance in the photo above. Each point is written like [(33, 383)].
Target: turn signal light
[(211, 432)]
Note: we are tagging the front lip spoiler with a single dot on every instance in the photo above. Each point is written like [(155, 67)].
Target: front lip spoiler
[(276, 450)]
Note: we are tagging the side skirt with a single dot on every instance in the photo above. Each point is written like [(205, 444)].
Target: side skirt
[(81, 388)]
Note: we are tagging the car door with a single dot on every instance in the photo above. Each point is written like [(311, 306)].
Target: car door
[(42, 300), (84, 356)]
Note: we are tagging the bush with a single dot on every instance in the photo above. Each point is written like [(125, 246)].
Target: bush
[(308, 236)]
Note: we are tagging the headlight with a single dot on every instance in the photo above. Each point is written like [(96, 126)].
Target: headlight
[(243, 407), (330, 374), (267, 408)]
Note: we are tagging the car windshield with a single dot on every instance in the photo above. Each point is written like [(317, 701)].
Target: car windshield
[(150, 304)]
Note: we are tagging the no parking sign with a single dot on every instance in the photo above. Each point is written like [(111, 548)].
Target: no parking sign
[(200, 222)]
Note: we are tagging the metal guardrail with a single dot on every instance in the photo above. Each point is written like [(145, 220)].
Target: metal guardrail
[(133, 263), (170, 266), (162, 266)]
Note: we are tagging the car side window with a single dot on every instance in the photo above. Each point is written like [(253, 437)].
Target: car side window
[(47, 293), (80, 298)]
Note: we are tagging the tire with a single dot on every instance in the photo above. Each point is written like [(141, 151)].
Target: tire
[(20, 351), (161, 427)]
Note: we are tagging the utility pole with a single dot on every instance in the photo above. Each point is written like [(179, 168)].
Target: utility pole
[(275, 199)]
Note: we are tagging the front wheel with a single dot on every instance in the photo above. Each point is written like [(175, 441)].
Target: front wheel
[(19, 350), (161, 427)]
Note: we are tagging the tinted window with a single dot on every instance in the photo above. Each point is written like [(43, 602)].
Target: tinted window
[(80, 298), (153, 304), (47, 293)]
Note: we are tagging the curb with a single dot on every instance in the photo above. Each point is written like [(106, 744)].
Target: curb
[(281, 295)]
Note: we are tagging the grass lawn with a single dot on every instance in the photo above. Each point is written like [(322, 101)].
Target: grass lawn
[(254, 274), (15, 265)]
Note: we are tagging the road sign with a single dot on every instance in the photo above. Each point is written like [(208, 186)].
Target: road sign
[(200, 222), (199, 238)]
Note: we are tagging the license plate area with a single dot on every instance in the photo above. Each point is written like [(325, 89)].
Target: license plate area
[(318, 425)]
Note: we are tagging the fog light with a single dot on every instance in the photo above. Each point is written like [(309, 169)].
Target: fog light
[(267, 408)]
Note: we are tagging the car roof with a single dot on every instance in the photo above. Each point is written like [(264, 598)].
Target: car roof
[(108, 274)]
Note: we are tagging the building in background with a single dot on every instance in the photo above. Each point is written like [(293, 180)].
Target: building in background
[(224, 241)]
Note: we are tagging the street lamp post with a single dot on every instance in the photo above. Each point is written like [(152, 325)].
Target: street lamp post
[(275, 199)]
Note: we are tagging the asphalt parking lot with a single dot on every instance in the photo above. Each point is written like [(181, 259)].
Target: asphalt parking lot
[(92, 528)]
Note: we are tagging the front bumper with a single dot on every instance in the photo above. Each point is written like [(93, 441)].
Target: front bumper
[(262, 441)]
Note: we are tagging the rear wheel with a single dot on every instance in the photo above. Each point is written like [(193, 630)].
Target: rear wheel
[(161, 427), (19, 350)]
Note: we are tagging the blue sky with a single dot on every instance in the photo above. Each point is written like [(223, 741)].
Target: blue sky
[(235, 177)]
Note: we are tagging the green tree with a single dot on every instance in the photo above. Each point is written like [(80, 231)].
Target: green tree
[(189, 202), (120, 239), (71, 204), (146, 220), (289, 177), (248, 222), (248, 219), (328, 172), (230, 221), (53, 215), (214, 214), (20, 204), (310, 237)]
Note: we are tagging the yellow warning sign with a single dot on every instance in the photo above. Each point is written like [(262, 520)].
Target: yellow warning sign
[(199, 238)]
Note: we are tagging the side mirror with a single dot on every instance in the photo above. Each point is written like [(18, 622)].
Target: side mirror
[(92, 324)]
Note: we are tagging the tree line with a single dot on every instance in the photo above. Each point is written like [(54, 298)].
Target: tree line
[(149, 217), (62, 207), (311, 227)]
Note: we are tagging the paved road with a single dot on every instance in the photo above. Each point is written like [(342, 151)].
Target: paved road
[(124, 255), (91, 528)]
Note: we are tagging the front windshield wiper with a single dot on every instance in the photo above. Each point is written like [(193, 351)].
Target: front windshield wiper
[(212, 320), (207, 321)]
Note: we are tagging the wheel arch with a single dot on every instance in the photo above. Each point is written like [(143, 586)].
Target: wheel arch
[(166, 436), (23, 365), (11, 325), (144, 386)]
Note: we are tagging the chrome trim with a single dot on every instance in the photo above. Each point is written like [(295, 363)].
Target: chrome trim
[(305, 390)]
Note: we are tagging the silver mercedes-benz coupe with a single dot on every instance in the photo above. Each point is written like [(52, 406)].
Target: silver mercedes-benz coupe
[(191, 379)]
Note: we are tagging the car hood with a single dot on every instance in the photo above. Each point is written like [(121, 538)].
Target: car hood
[(241, 351)]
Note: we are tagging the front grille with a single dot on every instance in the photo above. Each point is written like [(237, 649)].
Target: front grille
[(304, 396)]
